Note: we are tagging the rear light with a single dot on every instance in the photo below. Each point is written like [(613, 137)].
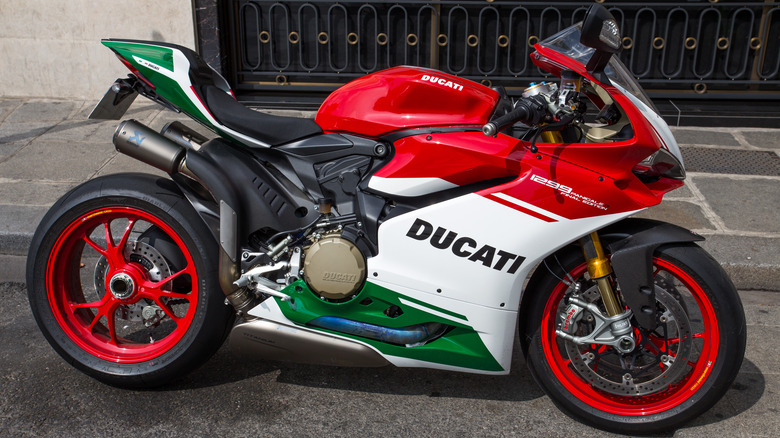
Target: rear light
[(135, 72)]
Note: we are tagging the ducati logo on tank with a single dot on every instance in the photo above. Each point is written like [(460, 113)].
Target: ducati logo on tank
[(466, 247), (441, 81)]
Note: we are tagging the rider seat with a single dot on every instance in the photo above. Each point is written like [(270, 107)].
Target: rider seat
[(274, 130)]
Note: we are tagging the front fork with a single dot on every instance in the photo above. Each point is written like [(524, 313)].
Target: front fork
[(615, 328), (600, 271)]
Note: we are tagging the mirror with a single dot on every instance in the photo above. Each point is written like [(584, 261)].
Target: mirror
[(600, 31)]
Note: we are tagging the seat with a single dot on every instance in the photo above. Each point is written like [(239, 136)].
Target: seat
[(273, 130)]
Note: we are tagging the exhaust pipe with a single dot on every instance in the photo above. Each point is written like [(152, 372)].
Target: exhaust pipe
[(142, 143), (407, 336), (268, 340), (183, 135), (174, 153)]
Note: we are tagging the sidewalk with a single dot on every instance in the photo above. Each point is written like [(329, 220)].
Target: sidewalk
[(732, 194)]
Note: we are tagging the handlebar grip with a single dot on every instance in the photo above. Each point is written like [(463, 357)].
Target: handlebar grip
[(529, 111), (491, 128)]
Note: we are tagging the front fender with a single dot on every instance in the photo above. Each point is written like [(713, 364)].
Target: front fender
[(632, 261)]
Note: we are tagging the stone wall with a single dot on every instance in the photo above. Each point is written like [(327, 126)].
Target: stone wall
[(52, 48)]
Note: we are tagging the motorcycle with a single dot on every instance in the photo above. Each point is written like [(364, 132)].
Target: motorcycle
[(420, 220)]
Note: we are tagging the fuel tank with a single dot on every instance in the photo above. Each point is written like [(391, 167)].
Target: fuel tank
[(404, 98)]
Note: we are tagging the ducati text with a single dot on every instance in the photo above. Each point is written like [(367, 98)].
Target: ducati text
[(339, 277), (147, 64), (465, 247), (441, 81)]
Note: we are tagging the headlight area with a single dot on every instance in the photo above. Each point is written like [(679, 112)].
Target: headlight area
[(661, 164)]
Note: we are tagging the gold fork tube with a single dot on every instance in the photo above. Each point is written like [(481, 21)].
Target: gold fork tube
[(552, 137), (600, 269)]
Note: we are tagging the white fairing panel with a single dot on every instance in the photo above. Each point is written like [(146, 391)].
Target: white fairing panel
[(470, 275), (485, 251), (485, 233), (409, 186)]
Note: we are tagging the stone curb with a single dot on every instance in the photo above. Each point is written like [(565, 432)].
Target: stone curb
[(16, 244)]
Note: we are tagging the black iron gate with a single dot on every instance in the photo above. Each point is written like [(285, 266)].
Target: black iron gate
[(702, 49)]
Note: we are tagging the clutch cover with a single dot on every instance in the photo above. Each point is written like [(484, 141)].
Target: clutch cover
[(334, 268)]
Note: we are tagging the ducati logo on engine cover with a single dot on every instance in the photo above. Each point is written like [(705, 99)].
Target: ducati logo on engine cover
[(339, 277), (465, 247)]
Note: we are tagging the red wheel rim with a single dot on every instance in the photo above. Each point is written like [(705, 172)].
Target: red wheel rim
[(93, 323), (650, 404)]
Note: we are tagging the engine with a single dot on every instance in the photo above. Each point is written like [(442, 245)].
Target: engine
[(330, 253), (324, 255)]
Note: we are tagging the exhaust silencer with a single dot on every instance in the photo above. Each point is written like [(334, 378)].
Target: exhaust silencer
[(142, 143)]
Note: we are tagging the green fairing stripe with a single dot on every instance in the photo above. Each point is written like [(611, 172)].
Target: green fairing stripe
[(167, 88), (461, 346)]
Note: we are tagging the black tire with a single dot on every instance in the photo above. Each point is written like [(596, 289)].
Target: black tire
[(141, 309), (687, 275)]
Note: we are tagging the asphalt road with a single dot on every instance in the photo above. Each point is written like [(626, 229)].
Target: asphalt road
[(41, 395)]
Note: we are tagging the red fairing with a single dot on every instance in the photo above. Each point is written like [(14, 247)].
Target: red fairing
[(457, 157), (615, 159), (402, 98), (553, 185), (612, 159), (563, 189)]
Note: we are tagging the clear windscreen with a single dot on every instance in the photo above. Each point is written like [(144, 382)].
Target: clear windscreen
[(567, 42)]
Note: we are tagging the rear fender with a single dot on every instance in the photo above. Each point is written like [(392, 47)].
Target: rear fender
[(201, 200)]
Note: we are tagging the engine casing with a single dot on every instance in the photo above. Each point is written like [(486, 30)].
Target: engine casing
[(334, 268)]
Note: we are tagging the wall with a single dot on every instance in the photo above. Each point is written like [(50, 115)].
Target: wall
[(52, 48)]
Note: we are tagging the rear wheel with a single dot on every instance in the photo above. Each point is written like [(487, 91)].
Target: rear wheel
[(122, 281), (675, 372)]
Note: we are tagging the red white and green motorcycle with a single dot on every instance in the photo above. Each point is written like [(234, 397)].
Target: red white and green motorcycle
[(420, 220)]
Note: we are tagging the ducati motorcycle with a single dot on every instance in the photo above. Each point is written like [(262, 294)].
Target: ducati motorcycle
[(420, 220)]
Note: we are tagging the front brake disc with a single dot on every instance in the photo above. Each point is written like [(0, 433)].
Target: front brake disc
[(660, 358)]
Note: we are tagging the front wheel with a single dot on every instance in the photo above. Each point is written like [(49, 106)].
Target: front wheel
[(122, 281), (674, 373)]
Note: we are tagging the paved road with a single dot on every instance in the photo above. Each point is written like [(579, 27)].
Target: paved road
[(41, 395)]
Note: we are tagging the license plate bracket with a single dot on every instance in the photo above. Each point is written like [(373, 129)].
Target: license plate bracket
[(114, 103)]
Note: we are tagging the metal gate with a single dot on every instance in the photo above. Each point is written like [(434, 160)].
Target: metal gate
[(703, 49)]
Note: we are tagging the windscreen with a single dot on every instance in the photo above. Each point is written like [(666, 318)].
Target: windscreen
[(567, 42)]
